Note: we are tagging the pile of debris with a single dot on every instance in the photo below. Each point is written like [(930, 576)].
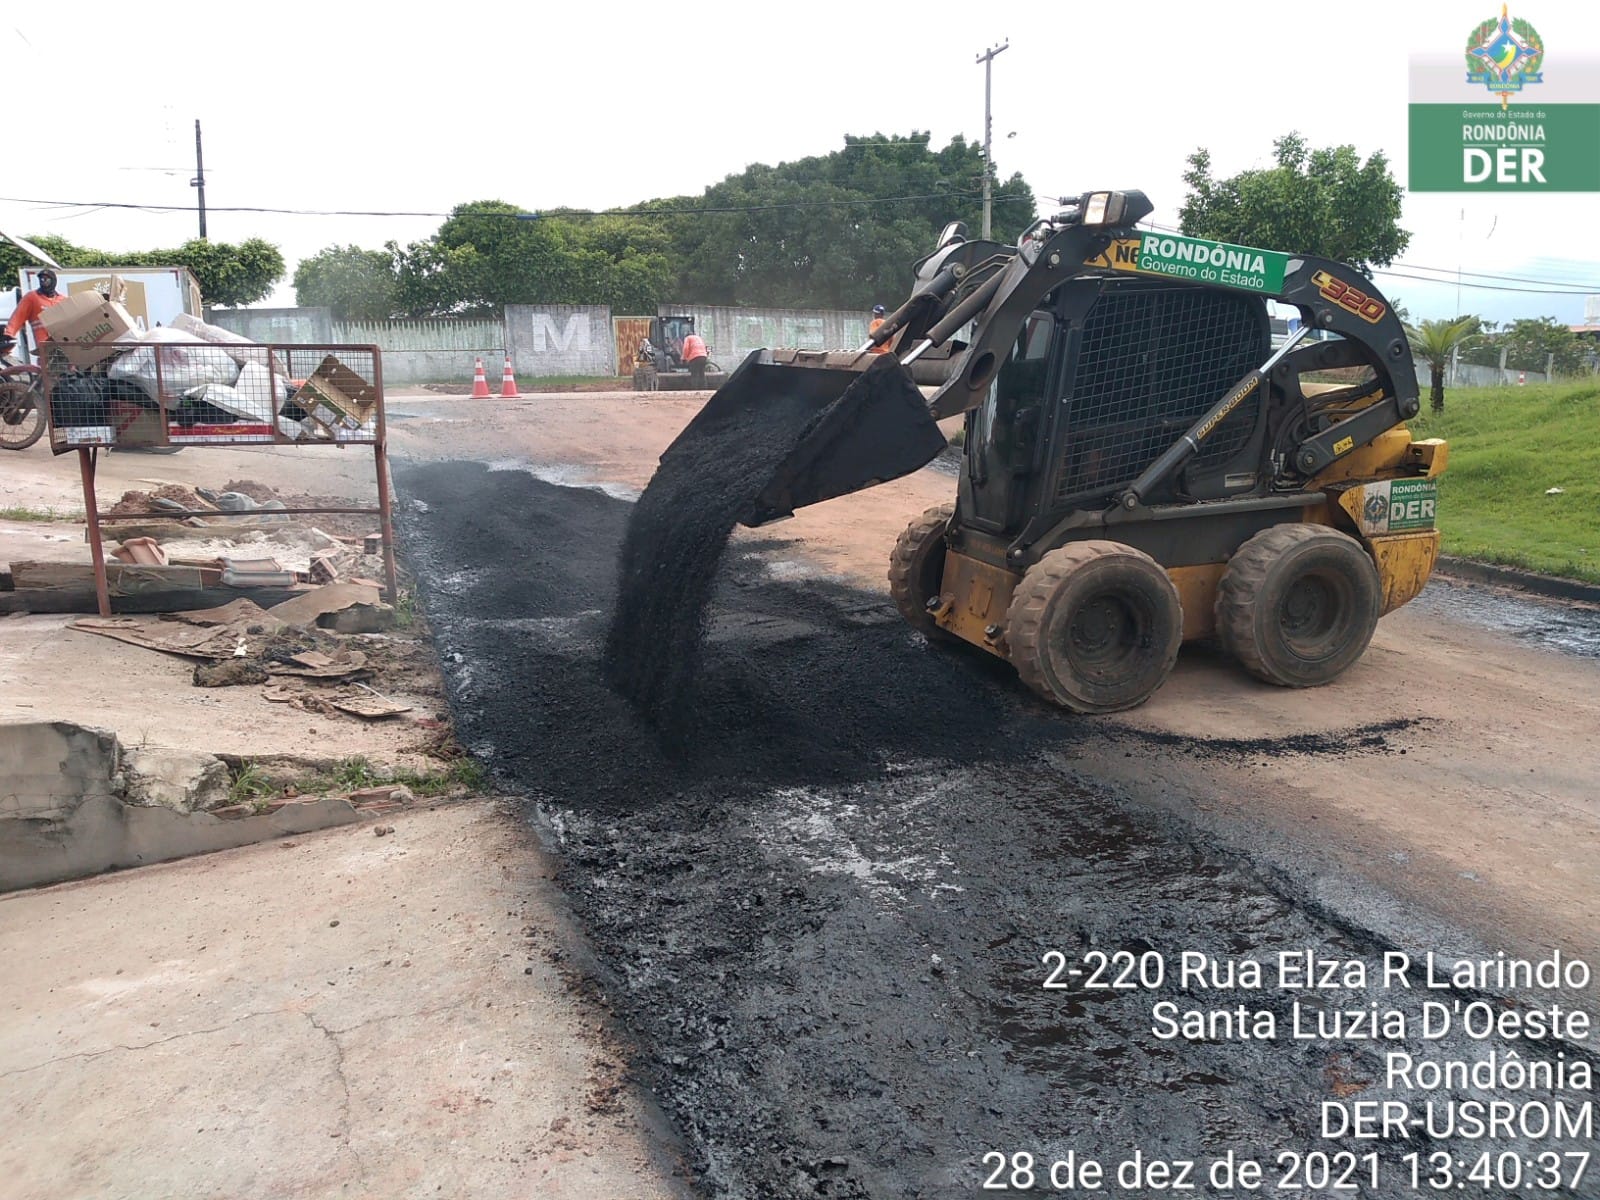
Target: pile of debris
[(289, 648), (176, 559)]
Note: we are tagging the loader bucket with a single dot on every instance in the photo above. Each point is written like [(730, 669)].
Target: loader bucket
[(848, 429)]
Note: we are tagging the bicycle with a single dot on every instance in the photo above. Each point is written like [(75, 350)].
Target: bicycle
[(22, 412)]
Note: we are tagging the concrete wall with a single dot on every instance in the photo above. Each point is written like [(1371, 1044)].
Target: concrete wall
[(1474, 375), (731, 333), (560, 339), (429, 351), (310, 325)]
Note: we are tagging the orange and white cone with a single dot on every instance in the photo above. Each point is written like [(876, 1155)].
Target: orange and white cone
[(508, 383), (480, 382)]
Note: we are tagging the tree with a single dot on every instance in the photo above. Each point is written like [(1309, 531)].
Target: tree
[(228, 274), (1529, 344), (355, 284), (1434, 342), (1322, 202), (14, 258), (488, 254), (1532, 342), (231, 275), (834, 231)]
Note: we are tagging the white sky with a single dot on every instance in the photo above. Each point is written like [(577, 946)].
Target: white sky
[(363, 106)]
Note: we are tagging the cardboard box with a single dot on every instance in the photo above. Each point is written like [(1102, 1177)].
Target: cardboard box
[(335, 397), (85, 328)]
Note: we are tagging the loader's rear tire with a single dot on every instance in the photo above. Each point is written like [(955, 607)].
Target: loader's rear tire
[(1298, 604), (1095, 626), (916, 570)]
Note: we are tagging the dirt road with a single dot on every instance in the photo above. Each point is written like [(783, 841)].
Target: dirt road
[(824, 913)]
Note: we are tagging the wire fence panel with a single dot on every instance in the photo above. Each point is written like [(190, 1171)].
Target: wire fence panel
[(179, 393)]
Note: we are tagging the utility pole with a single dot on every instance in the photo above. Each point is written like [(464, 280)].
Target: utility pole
[(199, 180), (987, 59)]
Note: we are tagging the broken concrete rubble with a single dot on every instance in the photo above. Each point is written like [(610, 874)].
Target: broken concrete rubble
[(182, 780)]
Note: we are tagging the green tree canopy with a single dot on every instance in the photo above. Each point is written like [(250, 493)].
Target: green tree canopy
[(228, 274), (1324, 202), (1529, 343), (355, 284), (14, 258), (839, 230), (488, 254)]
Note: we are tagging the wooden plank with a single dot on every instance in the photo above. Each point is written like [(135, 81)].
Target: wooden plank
[(82, 600), (124, 579), (164, 531), (630, 331)]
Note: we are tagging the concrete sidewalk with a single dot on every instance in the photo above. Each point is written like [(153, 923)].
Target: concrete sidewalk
[(338, 1014)]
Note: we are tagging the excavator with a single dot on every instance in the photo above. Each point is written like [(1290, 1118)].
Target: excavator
[(1142, 466)]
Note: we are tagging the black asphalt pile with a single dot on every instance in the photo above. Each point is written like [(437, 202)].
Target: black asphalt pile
[(795, 685), (675, 538), (823, 915)]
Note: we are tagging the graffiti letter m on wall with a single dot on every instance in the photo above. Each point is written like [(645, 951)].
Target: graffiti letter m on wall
[(575, 336)]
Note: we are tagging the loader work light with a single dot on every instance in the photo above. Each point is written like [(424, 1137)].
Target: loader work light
[(1104, 208)]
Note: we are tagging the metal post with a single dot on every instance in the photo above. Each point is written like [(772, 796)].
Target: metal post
[(199, 180), (385, 509), (987, 59), (386, 523), (91, 512)]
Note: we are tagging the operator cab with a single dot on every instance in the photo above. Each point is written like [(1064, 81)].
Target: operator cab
[(1101, 379)]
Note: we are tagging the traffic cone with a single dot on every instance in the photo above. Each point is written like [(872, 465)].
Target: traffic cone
[(480, 382), (508, 383), (1522, 378)]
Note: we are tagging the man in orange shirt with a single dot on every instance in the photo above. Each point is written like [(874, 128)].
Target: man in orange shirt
[(694, 357), (877, 319), (35, 302)]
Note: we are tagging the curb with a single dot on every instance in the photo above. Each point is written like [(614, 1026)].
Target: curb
[(1527, 581)]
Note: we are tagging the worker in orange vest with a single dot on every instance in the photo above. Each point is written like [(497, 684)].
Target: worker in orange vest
[(35, 302), (877, 319), (694, 357)]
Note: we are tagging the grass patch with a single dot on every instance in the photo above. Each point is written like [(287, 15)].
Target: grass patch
[(406, 609), (250, 785), (1508, 445), (464, 773), (38, 514)]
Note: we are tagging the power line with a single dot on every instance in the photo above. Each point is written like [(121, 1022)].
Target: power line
[(1486, 287), (521, 216), (1452, 272)]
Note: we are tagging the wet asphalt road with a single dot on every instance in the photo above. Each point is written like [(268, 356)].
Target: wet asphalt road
[(824, 911)]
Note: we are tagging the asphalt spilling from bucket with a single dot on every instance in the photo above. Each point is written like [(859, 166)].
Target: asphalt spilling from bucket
[(826, 909), (674, 541)]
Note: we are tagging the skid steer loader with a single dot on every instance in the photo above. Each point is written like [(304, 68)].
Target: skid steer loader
[(1141, 465)]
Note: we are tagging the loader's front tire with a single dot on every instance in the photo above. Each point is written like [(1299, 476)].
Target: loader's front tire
[(1095, 626), (916, 570), (1298, 604)]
